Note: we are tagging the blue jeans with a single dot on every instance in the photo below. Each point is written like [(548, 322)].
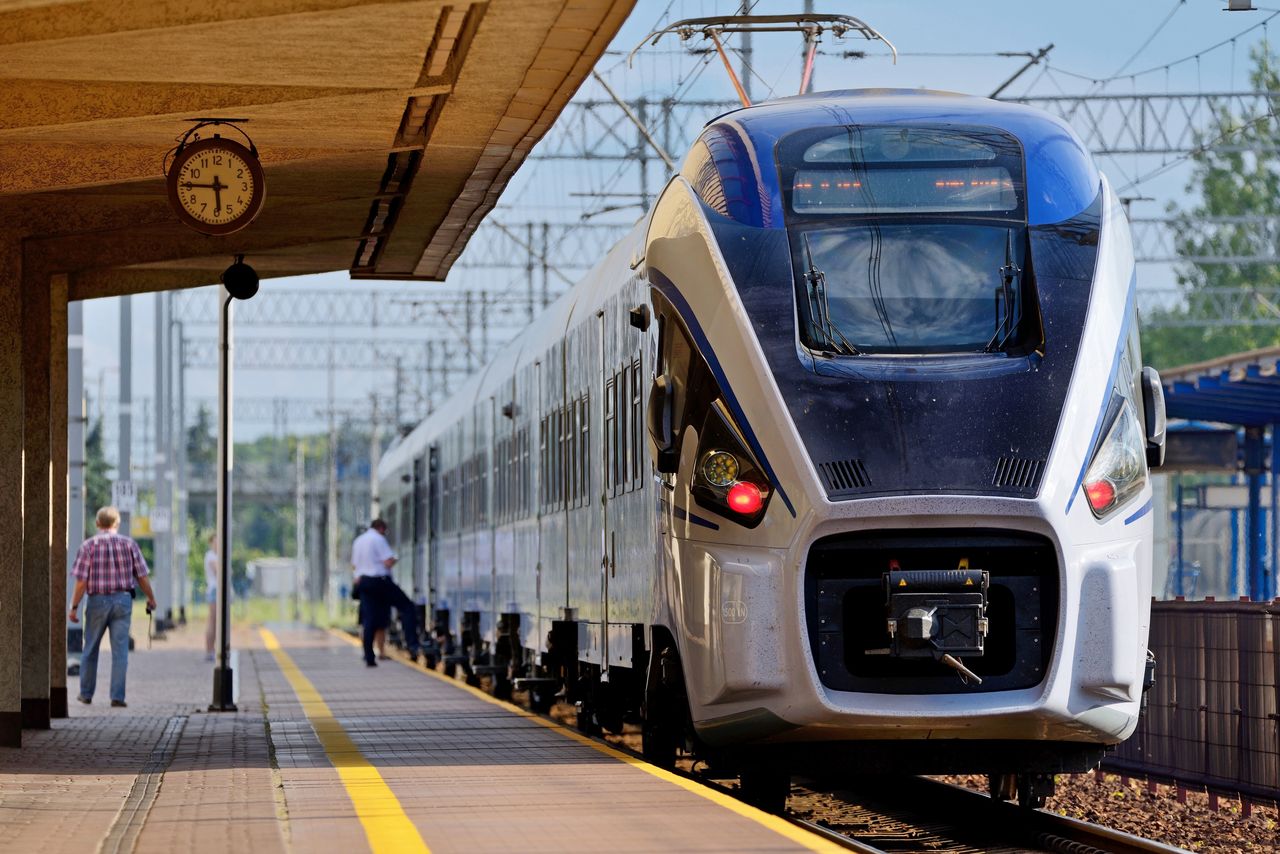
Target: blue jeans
[(108, 612)]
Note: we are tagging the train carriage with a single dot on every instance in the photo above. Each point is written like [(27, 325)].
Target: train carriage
[(839, 459)]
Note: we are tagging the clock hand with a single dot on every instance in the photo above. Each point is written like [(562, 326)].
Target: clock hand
[(189, 185), (217, 194)]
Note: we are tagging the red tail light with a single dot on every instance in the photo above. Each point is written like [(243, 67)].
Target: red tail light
[(1100, 494), (745, 498)]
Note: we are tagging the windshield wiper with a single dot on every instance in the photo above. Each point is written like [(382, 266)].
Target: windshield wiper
[(1007, 321), (816, 290)]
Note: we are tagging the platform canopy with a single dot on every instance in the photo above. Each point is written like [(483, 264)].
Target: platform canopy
[(1243, 388), (387, 129)]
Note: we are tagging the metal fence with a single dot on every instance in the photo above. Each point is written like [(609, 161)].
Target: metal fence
[(1213, 717)]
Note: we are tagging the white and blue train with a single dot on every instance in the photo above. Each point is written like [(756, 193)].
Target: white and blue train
[(840, 460)]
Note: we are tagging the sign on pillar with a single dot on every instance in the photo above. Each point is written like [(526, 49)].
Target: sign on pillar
[(124, 496)]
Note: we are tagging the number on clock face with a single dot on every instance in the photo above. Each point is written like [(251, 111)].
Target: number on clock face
[(214, 186)]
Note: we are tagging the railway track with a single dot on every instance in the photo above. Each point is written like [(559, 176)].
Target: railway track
[(910, 815)]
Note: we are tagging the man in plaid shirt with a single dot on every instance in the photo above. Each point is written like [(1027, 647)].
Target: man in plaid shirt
[(106, 568)]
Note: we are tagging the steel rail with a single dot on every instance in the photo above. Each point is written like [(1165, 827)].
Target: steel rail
[(1046, 830)]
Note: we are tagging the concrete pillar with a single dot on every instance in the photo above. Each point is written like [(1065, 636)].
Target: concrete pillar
[(10, 493), (58, 412), (36, 497)]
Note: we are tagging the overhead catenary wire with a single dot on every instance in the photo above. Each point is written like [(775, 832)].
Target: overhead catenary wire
[(1165, 66), (1178, 4)]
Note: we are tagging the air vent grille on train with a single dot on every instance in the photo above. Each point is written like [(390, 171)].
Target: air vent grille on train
[(844, 475), (1017, 473)]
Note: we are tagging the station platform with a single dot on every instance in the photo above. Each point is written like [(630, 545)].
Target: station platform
[(325, 754)]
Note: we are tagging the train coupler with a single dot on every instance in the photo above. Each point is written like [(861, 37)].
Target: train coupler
[(939, 614)]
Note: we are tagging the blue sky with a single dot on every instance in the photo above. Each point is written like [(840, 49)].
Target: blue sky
[(1092, 39)]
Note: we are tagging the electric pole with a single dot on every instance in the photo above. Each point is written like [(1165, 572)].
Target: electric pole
[(123, 475)]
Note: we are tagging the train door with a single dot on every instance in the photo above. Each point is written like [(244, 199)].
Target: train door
[(629, 524), (432, 574), (553, 543), (606, 409), (537, 473), (489, 537), (418, 513)]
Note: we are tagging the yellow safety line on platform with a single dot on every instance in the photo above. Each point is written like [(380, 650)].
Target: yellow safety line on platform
[(389, 830), (781, 826)]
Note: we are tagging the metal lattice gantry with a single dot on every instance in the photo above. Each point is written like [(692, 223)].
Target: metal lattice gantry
[(552, 254), (337, 354), (601, 130), (1223, 239), (259, 410), (427, 370), (1214, 306), (353, 308), (1160, 123), (1174, 123)]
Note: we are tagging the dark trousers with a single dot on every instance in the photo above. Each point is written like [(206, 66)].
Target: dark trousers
[(378, 595)]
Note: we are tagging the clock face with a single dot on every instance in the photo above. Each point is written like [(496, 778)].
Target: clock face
[(216, 186)]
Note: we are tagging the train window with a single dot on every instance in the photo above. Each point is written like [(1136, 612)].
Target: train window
[(692, 381), (521, 504), (499, 482), (462, 494), (405, 535), (553, 467), (579, 451), (611, 434), (455, 499), (544, 463), (420, 499), (470, 492), (618, 460), (637, 420), (446, 496), (584, 444), (483, 468), (558, 472), (909, 240)]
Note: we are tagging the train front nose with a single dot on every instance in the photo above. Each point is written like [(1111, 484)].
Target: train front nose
[(939, 611), (940, 628)]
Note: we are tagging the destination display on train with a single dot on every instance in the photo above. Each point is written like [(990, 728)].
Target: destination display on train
[(911, 189)]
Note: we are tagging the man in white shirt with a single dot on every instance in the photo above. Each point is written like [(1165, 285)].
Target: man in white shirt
[(373, 558)]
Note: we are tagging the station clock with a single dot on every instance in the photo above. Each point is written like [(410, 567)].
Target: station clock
[(216, 185)]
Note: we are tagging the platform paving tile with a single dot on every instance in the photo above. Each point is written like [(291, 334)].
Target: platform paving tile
[(477, 777), (64, 790), (470, 775)]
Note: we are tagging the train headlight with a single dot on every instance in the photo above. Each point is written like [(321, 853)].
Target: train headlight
[(720, 468), (727, 480), (1119, 469)]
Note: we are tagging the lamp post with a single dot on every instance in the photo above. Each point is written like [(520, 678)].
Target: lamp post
[(239, 281)]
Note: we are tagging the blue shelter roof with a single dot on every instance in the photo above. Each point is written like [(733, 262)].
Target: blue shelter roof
[(1243, 388)]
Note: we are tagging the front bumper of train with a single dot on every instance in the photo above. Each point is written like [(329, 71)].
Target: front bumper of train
[(751, 662)]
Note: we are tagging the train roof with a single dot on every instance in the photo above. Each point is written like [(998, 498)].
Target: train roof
[(1062, 179)]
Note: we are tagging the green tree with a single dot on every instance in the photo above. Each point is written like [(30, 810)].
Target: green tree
[(1226, 183), (202, 442)]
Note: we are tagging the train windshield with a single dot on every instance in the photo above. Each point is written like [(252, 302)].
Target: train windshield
[(908, 240)]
